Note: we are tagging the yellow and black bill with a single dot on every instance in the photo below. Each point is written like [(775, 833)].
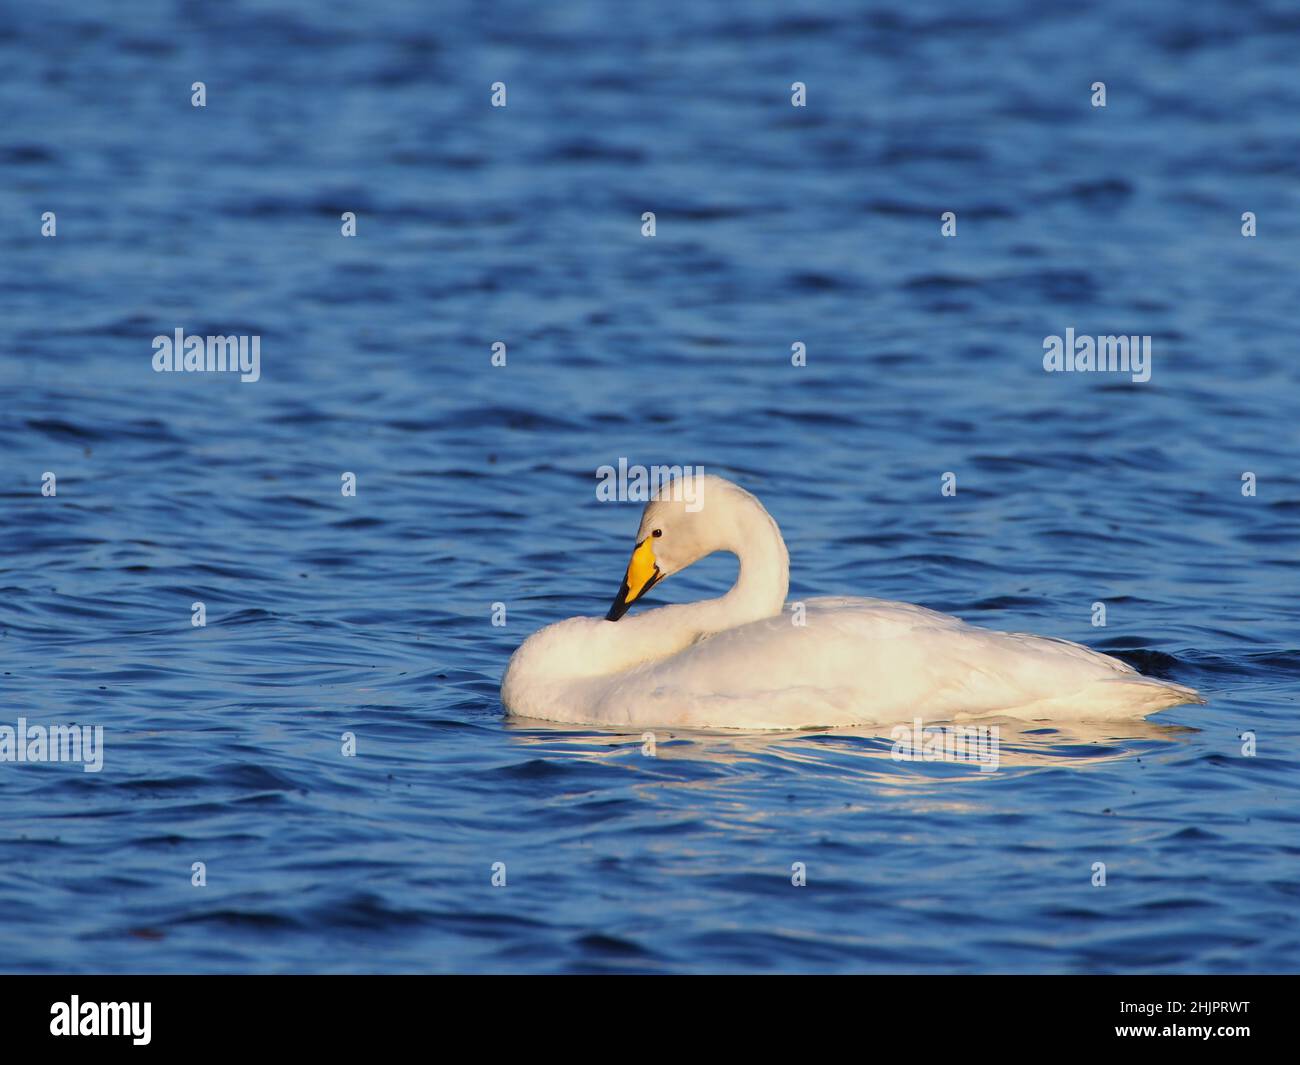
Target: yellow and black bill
[(642, 575)]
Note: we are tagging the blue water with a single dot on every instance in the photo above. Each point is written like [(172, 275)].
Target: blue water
[(372, 614)]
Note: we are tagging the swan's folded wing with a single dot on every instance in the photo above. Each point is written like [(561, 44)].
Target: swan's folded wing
[(865, 661)]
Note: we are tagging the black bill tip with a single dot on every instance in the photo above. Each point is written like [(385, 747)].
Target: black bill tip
[(622, 602), (620, 605)]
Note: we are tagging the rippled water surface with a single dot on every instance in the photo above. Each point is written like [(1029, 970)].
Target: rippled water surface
[(371, 614)]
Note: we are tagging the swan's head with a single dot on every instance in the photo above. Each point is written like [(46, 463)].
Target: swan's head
[(690, 517)]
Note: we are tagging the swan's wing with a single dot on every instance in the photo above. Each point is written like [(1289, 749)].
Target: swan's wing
[(870, 661)]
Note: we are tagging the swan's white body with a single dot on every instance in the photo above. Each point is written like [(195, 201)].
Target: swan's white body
[(743, 661)]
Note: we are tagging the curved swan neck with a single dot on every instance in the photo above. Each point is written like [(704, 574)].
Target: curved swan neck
[(752, 536), (593, 650), (764, 578)]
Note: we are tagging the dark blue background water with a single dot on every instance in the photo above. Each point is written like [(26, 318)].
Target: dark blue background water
[(372, 614)]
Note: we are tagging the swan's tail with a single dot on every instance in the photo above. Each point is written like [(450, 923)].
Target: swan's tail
[(1147, 695)]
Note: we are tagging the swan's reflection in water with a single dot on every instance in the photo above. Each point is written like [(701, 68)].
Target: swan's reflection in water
[(934, 752)]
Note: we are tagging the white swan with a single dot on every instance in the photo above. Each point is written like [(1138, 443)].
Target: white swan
[(740, 661)]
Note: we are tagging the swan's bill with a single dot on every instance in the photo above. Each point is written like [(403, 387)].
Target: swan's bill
[(642, 575)]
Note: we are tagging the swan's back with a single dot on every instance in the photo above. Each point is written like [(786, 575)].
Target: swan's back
[(863, 661)]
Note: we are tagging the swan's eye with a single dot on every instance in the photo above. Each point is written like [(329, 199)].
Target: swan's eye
[(657, 532)]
